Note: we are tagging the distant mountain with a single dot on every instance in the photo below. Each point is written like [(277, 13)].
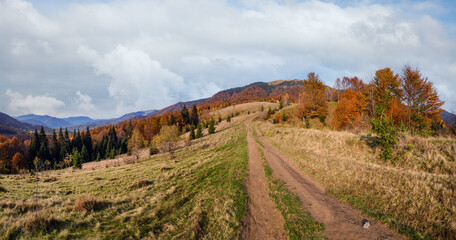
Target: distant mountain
[(80, 122), (178, 106), (252, 92), (448, 117), (11, 126), (48, 121)]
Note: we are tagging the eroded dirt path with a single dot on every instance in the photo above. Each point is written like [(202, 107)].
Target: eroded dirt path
[(341, 220), (263, 220)]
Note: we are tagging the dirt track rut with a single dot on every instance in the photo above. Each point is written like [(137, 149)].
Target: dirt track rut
[(341, 220), (263, 220)]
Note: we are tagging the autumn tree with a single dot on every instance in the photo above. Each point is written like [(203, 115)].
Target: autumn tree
[(167, 139), (351, 111), (421, 98), (314, 98), (18, 163), (136, 142), (386, 89), (386, 86)]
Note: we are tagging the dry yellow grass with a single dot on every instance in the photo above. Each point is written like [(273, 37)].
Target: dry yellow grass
[(407, 194), (245, 108), (198, 194)]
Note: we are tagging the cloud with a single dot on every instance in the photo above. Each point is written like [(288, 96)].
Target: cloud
[(34, 104), (137, 55), (136, 80), (84, 102)]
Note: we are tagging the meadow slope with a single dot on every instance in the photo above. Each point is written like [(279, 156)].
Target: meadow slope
[(415, 194), (197, 195)]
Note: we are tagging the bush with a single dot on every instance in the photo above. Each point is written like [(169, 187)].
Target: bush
[(140, 184), (40, 223), (228, 119), (89, 203), (387, 135)]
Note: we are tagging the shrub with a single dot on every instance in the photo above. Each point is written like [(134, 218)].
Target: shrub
[(40, 223), (89, 203), (140, 183), (387, 135)]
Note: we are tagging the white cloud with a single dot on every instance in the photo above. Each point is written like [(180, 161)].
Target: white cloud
[(135, 55), (33, 104), (84, 102), (136, 80)]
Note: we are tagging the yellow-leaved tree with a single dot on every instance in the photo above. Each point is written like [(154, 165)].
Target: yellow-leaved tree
[(313, 102)]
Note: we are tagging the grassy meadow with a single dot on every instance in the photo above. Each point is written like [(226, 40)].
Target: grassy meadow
[(415, 193), (197, 195)]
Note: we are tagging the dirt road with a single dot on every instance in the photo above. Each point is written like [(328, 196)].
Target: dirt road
[(263, 220), (341, 220)]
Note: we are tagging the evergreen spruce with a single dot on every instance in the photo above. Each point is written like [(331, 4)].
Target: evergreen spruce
[(211, 128), (77, 159), (194, 116), (185, 116), (199, 131), (192, 132)]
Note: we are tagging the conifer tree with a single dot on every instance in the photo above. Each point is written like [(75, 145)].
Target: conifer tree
[(55, 149), (34, 147), (185, 116), (199, 131), (85, 154), (211, 127), (192, 132), (77, 159), (194, 116), (88, 144)]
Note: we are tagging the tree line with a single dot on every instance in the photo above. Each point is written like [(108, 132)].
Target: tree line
[(389, 103), (63, 149)]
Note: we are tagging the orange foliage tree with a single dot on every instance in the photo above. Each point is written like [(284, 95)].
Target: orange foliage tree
[(387, 94), (386, 86), (18, 163), (421, 98), (351, 112), (314, 98)]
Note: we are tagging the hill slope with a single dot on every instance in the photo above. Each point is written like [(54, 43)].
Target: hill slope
[(253, 92), (11, 126)]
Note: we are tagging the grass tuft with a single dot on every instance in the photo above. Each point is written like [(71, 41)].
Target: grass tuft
[(89, 203), (140, 184), (40, 223)]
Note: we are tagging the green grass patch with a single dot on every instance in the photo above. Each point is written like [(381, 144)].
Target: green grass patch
[(198, 195), (298, 223)]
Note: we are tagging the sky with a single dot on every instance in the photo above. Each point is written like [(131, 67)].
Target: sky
[(103, 59)]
